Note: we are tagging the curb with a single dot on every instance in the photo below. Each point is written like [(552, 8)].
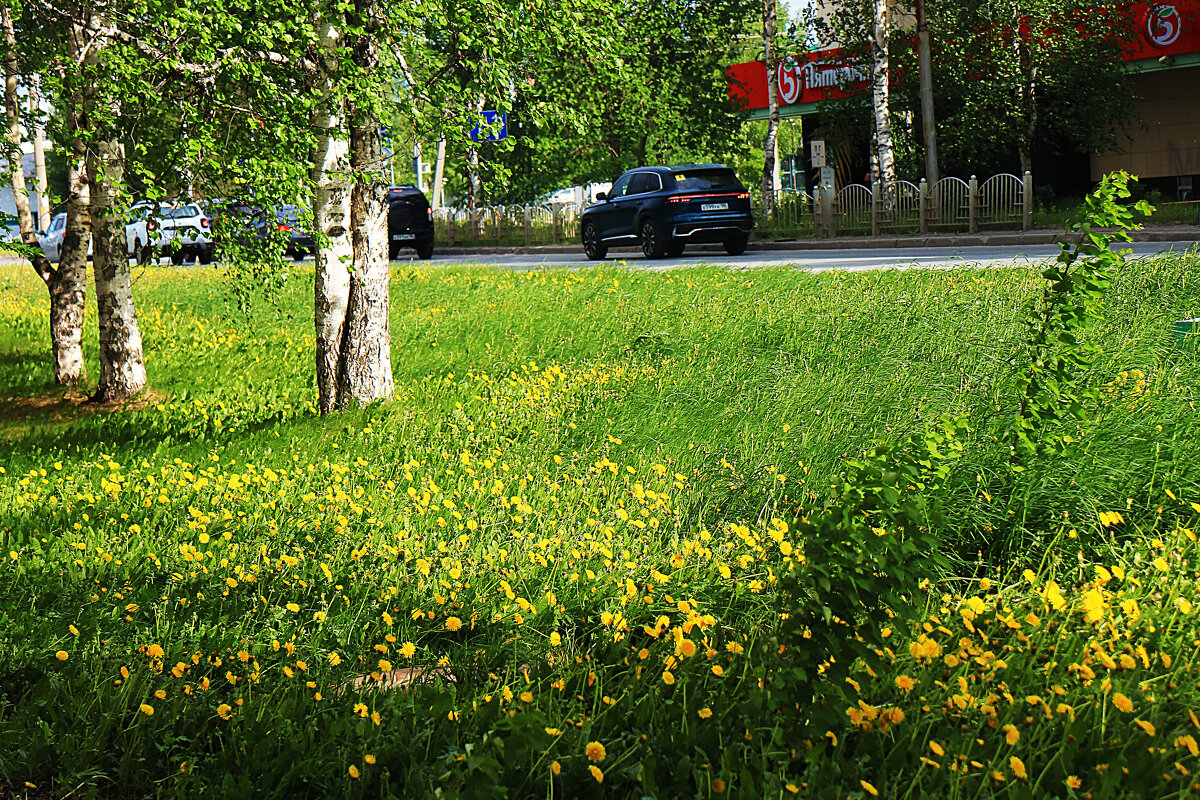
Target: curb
[(1182, 233)]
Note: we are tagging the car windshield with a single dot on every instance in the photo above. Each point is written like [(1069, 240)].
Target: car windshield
[(706, 180)]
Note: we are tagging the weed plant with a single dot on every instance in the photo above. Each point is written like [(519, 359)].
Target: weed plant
[(621, 533)]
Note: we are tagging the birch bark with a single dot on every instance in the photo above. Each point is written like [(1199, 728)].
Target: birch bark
[(331, 218), (365, 365), (122, 365), (886, 173), (771, 146), (66, 284)]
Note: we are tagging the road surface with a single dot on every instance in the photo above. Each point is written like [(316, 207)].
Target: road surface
[(813, 260)]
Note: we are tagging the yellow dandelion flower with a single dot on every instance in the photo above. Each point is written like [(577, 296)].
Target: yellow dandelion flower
[(385, 665), (705, 713), (62, 655), (1122, 702), (937, 749), (595, 751), (453, 624), (526, 697), (668, 678), (370, 759), (555, 767), (1074, 782), (334, 658), (1018, 767), (408, 649), (154, 651), (597, 773), (160, 694), (1160, 564), (718, 670), (146, 709), (718, 786), (905, 683), (353, 771), (1146, 727), (555, 639), (223, 711), (869, 789), (1011, 734), (293, 607)]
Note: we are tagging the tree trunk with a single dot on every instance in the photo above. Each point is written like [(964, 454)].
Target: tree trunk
[(331, 219), (886, 174), (928, 120), (771, 146), (365, 366), (66, 286), (122, 366)]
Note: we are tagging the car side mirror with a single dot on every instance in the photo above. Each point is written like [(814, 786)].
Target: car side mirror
[(601, 195)]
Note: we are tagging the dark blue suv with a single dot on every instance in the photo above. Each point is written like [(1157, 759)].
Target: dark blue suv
[(663, 208)]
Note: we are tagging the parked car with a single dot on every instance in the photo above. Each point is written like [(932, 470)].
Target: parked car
[(300, 242), (410, 221), (51, 241), (662, 209)]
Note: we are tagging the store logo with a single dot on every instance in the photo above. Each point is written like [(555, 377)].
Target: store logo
[(1163, 25)]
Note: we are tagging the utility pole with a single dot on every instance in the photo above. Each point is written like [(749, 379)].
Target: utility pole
[(928, 123)]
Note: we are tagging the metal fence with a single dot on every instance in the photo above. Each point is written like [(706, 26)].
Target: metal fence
[(543, 223), (951, 204), (1002, 201)]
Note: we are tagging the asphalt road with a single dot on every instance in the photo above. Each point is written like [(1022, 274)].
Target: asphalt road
[(813, 260)]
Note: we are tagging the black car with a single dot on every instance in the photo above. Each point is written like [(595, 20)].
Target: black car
[(410, 221), (288, 220), (662, 209)]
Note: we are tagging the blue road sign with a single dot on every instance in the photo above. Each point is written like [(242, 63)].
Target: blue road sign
[(492, 127)]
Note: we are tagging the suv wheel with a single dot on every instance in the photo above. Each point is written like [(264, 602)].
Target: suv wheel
[(652, 244), (675, 248), (593, 248), (425, 251), (737, 245), (139, 255)]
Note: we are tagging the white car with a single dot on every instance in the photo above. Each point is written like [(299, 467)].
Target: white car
[(136, 239)]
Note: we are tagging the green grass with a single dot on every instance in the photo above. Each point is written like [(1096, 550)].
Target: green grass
[(571, 456)]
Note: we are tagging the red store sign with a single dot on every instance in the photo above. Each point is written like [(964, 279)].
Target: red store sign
[(1163, 29)]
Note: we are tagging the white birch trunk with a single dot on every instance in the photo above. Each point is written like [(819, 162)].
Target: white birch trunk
[(67, 284), (880, 92), (770, 175), (331, 219), (122, 366), (366, 354)]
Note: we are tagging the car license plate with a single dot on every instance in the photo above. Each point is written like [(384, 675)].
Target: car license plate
[(714, 206), (403, 237)]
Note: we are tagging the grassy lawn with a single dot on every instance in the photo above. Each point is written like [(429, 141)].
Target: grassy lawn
[(590, 547)]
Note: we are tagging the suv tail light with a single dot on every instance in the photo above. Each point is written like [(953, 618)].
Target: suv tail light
[(677, 199), (151, 225), (204, 222), (284, 227), (429, 213)]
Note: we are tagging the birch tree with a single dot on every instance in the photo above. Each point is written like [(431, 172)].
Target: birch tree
[(66, 282), (884, 159), (771, 145)]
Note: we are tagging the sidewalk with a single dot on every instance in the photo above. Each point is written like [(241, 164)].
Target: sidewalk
[(1043, 236)]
